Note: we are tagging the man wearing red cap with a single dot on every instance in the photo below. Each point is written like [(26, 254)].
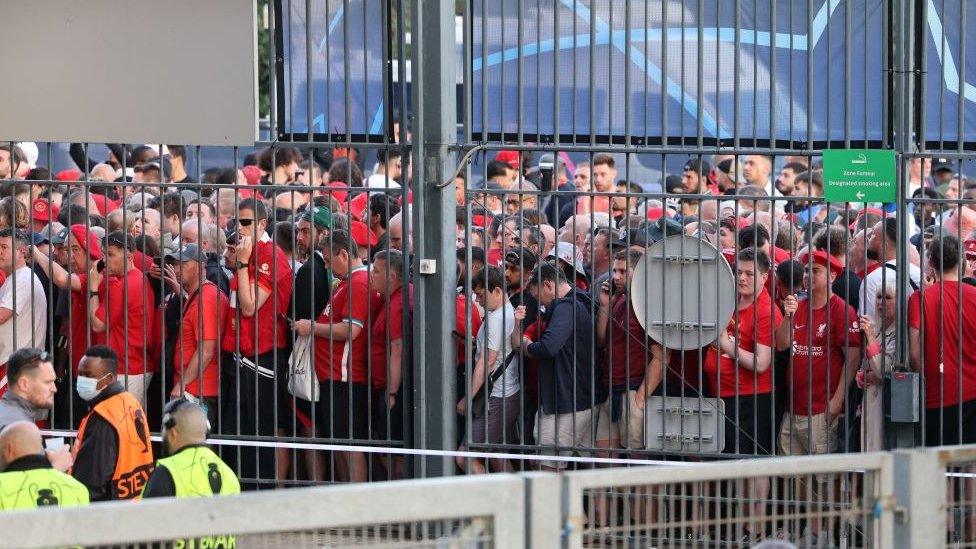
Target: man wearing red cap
[(42, 213), (825, 335), (83, 251), (364, 238), (826, 343)]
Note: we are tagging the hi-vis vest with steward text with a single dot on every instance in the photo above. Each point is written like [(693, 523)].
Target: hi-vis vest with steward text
[(198, 472), (40, 488), (135, 460)]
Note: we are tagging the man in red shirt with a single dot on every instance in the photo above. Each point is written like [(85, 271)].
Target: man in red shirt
[(386, 350), (633, 363), (738, 369), (257, 334), (342, 352), (205, 311), (737, 366), (942, 318), (125, 312), (84, 251), (826, 343)]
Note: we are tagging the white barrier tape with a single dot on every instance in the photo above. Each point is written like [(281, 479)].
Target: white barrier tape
[(413, 452)]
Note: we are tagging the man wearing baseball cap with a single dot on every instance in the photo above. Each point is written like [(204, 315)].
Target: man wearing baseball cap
[(825, 336), (695, 177), (196, 372), (42, 213)]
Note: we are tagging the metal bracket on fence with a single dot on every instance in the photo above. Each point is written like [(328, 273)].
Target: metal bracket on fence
[(684, 439), (685, 258), (681, 424), (686, 326), (683, 410)]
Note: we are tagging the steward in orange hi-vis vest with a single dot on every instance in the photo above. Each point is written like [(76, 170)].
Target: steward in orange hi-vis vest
[(112, 457)]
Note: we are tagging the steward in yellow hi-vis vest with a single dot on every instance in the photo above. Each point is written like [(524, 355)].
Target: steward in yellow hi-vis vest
[(191, 469), (28, 481)]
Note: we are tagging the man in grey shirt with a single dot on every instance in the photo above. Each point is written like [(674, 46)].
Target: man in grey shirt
[(30, 394), (30, 387)]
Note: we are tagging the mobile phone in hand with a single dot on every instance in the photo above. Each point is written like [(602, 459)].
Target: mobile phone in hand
[(100, 266)]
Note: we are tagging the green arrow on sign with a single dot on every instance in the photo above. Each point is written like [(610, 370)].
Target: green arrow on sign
[(859, 175)]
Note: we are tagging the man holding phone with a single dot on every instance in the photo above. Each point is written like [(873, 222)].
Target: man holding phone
[(261, 293), (124, 312)]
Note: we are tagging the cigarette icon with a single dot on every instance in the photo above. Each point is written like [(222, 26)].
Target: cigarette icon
[(861, 159)]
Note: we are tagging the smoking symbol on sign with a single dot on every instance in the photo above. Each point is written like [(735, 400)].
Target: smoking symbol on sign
[(861, 159)]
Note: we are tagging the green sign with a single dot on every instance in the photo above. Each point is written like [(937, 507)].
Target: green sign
[(859, 175)]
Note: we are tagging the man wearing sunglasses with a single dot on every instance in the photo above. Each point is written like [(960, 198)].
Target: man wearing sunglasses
[(261, 294)]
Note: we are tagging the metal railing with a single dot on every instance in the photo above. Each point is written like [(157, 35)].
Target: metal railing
[(905, 498), (475, 512)]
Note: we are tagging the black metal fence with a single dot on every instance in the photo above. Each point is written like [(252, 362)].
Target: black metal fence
[(618, 290)]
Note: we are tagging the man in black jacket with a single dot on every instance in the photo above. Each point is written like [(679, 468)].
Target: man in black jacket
[(112, 454), (569, 378)]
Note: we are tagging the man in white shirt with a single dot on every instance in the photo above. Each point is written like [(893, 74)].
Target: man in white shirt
[(497, 422), (23, 306), (881, 246)]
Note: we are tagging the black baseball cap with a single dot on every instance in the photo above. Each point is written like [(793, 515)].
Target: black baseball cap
[(698, 165)]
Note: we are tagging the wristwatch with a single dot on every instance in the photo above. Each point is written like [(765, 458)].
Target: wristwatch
[(92, 294)]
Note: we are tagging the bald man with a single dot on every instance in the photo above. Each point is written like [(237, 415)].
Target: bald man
[(190, 469), (28, 480)]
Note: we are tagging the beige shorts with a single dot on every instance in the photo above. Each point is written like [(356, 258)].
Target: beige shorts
[(807, 435), (565, 431), (628, 430)]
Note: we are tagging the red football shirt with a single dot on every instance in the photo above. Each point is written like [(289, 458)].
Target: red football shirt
[(754, 324), (628, 351), (204, 314), (944, 339), (340, 359), (271, 270), (387, 326), (460, 325), (129, 311), (820, 337), (80, 326)]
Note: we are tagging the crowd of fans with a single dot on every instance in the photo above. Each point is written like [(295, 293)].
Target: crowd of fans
[(222, 291)]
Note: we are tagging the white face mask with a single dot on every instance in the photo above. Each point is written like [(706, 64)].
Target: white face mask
[(87, 387)]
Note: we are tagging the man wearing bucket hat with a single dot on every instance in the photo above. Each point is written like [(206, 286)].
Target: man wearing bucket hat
[(571, 261)]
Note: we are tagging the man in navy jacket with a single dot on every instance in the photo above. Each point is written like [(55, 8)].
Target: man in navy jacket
[(569, 379)]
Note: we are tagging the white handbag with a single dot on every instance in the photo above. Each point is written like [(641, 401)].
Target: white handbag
[(302, 381)]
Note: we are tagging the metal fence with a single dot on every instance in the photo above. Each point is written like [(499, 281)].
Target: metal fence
[(580, 133), (471, 512), (879, 499)]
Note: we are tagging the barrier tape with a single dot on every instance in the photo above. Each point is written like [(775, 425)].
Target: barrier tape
[(411, 451)]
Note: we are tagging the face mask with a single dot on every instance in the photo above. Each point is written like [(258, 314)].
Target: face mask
[(87, 387)]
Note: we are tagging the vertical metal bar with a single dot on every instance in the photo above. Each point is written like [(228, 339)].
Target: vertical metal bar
[(902, 58), (520, 88), (435, 110), (848, 13), (773, 50), (961, 96)]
